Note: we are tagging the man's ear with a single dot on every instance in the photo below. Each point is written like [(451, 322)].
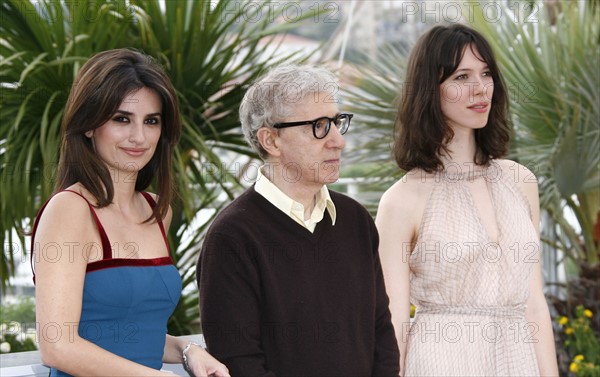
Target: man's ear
[(89, 134), (269, 140)]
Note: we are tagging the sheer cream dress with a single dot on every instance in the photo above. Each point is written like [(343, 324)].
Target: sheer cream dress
[(470, 291)]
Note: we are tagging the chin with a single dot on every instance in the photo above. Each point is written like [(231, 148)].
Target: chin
[(330, 180), (480, 125)]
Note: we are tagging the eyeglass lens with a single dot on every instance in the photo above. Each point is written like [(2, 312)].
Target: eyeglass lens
[(322, 126)]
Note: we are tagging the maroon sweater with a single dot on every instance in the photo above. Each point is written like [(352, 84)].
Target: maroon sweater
[(278, 300)]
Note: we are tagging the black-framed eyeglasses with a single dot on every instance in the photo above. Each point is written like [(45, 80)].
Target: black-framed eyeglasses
[(322, 125)]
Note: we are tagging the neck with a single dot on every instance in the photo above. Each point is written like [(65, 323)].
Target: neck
[(298, 190), (462, 150), (124, 189)]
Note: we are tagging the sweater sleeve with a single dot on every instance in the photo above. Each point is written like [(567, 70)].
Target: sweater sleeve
[(387, 357), (229, 286)]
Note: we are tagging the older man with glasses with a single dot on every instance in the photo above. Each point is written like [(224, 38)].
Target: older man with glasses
[(289, 274)]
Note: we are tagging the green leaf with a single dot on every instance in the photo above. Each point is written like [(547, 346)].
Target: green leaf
[(211, 55)]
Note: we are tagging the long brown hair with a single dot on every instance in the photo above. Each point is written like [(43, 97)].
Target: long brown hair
[(421, 132), (100, 87)]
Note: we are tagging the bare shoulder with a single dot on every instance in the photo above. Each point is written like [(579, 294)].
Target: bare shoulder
[(405, 200), (404, 193), (66, 207), (66, 223), (520, 174), (67, 215), (153, 195), (527, 182), (167, 219)]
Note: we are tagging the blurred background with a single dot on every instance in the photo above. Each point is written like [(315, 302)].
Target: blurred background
[(549, 53)]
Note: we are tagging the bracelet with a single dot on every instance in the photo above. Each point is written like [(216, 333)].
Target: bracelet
[(184, 354)]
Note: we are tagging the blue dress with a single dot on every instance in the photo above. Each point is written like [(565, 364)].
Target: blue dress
[(127, 302)]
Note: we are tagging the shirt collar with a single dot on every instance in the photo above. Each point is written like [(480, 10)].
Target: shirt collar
[(291, 207)]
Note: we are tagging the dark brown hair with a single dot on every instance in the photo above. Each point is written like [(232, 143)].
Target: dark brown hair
[(421, 132), (100, 87)]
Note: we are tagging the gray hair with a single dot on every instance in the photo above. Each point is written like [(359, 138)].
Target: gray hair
[(272, 98)]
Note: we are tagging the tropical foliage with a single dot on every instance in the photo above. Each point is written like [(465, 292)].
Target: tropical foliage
[(549, 58), (550, 61), (371, 93), (549, 53), (211, 50)]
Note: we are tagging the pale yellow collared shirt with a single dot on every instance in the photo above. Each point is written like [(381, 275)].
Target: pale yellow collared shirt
[(291, 207)]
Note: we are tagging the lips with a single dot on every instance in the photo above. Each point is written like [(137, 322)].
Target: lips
[(480, 107), (135, 152)]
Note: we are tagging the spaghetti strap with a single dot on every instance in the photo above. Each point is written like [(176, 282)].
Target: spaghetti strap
[(106, 248), (152, 203)]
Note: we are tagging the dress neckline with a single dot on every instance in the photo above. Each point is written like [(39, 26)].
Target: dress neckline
[(456, 172)]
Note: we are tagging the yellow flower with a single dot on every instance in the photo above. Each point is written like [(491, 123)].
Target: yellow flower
[(588, 313), (574, 367), (569, 330), (578, 358), (563, 320)]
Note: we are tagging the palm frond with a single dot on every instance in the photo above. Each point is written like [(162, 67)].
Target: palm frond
[(549, 61), (556, 118), (209, 50)]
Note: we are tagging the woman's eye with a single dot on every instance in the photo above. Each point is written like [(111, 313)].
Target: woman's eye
[(120, 119), (461, 77), (152, 121)]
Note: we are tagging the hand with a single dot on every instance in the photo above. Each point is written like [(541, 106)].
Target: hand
[(202, 364)]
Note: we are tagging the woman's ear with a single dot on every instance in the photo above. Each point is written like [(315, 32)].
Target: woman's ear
[(269, 140), (89, 134)]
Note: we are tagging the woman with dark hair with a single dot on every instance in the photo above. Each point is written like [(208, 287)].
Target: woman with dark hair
[(105, 282), (460, 231)]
